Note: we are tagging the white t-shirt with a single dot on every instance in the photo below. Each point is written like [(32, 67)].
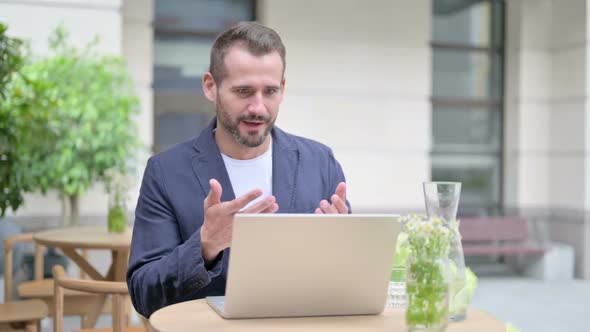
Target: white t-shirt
[(246, 175)]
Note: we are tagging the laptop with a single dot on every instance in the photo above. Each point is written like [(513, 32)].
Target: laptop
[(296, 265)]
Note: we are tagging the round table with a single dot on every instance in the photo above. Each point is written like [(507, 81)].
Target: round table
[(70, 239), (90, 237), (196, 315)]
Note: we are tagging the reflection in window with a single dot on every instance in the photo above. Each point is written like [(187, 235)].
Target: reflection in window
[(478, 177), (465, 22), (201, 16), (180, 62), (466, 129), (171, 127), (184, 33), (467, 93), (461, 74)]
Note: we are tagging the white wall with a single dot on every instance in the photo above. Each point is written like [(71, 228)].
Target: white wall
[(546, 123), (527, 103), (138, 40), (359, 80), (35, 19)]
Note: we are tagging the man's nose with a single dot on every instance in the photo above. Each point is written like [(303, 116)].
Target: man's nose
[(256, 105)]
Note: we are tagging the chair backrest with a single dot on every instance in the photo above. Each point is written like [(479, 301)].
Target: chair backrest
[(118, 290), (39, 261), (494, 229), (8, 255)]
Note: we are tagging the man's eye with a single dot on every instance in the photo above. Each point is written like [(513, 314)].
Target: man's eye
[(243, 91), (271, 91)]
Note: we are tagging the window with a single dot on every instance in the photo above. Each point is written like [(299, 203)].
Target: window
[(467, 99), (184, 31)]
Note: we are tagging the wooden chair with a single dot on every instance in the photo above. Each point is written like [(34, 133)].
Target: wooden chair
[(118, 291), (22, 315), (78, 303)]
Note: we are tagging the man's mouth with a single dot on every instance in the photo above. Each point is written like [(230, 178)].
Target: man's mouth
[(253, 124)]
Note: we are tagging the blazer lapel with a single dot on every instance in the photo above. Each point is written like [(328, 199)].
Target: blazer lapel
[(285, 165), (208, 164)]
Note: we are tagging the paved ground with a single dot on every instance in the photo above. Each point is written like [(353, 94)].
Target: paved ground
[(536, 306)]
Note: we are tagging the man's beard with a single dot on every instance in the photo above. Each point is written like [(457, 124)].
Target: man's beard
[(251, 139)]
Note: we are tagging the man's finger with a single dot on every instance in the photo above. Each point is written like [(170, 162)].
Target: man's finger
[(260, 206), (319, 211), (214, 196), (327, 207), (271, 209), (341, 191), (339, 204), (237, 204)]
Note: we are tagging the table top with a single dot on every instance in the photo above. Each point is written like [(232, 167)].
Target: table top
[(85, 237), (196, 315)]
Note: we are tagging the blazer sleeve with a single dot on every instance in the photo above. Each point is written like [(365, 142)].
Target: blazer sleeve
[(163, 269)]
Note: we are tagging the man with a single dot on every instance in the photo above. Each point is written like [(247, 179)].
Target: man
[(240, 163)]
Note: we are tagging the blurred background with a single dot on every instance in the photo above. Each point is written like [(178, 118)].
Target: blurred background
[(494, 94)]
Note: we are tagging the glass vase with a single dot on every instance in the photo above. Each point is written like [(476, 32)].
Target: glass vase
[(427, 288), (442, 201), (117, 218), (457, 303)]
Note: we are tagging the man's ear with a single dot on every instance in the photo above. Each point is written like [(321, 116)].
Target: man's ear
[(209, 87)]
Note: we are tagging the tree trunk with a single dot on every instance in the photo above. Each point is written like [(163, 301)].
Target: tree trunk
[(75, 210), (65, 211)]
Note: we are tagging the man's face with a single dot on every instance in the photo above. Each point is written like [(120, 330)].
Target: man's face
[(248, 98)]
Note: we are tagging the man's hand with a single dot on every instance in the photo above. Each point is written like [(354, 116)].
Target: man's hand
[(338, 202), (219, 217)]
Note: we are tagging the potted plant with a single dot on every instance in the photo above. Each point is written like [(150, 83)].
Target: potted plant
[(86, 103), (13, 178), (117, 186)]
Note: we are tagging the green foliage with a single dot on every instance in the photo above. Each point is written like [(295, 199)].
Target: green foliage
[(82, 104), (12, 180), (117, 185), (10, 57), (461, 294), (427, 282), (117, 222), (402, 251)]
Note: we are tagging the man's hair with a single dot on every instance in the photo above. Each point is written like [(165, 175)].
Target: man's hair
[(258, 40)]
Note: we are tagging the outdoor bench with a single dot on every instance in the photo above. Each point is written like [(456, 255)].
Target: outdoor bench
[(497, 236)]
